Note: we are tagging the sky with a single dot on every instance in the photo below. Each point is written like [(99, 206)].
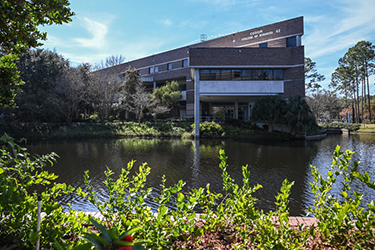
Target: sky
[(140, 28)]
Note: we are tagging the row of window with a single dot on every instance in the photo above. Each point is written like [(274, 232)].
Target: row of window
[(240, 74), (155, 69), (290, 42)]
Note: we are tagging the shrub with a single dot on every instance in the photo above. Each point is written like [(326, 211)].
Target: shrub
[(351, 126), (209, 129)]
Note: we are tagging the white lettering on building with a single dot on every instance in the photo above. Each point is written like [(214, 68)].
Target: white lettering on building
[(259, 33)]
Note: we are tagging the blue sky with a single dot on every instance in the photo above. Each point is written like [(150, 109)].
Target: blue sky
[(139, 28)]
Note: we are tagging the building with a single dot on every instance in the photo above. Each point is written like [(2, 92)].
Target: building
[(223, 77)]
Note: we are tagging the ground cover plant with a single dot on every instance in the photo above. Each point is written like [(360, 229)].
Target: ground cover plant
[(340, 125), (227, 220)]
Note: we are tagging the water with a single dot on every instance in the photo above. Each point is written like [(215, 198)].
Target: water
[(197, 163)]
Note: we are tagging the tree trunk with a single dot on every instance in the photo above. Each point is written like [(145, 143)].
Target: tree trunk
[(357, 102), (368, 95), (363, 95)]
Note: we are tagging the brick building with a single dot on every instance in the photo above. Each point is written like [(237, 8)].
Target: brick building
[(223, 77)]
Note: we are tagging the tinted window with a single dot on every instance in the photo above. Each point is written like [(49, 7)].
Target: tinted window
[(151, 70), (169, 66), (236, 74), (246, 74), (204, 74), (267, 74), (257, 74), (184, 63), (225, 74), (263, 45), (291, 42), (278, 74), (215, 74)]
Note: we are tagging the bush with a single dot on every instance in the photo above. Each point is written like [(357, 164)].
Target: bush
[(210, 129), (351, 126), (341, 222)]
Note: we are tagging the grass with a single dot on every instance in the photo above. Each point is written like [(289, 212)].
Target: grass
[(366, 128)]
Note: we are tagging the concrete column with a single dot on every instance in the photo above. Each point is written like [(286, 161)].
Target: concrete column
[(196, 103), (298, 41), (248, 111), (236, 108), (154, 85)]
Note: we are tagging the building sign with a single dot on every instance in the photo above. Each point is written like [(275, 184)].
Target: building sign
[(259, 33)]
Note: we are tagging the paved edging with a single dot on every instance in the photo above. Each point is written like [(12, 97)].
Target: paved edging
[(293, 220)]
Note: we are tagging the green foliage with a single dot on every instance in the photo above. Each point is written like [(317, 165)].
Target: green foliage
[(20, 21), (40, 100), (312, 77), (337, 216), (9, 80), (270, 109), (341, 221), (19, 32), (168, 95), (299, 116), (339, 125), (295, 112), (18, 205), (110, 238), (209, 129)]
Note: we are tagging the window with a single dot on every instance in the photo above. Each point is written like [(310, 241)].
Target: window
[(236, 74), (151, 70), (185, 63), (257, 74), (267, 74), (246, 74), (263, 45), (241, 74), (169, 66), (291, 42), (156, 69), (139, 72), (204, 74), (278, 74), (215, 74), (225, 74)]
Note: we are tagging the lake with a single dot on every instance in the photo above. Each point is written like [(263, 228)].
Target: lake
[(197, 163)]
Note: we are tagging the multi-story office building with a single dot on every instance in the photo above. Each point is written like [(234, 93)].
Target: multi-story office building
[(223, 77)]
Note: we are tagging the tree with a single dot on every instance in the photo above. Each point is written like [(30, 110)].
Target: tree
[(141, 101), (9, 80), (114, 60), (352, 76), (270, 109), (168, 95), (324, 104), (19, 31), (298, 114), (40, 100), (312, 77), (72, 88)]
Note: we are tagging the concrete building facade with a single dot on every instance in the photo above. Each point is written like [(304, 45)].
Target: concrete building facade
[(223, 77)]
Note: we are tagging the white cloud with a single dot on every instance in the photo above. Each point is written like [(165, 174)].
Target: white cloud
[(166, 22), (218, 2), (97, 30), (327, 35)]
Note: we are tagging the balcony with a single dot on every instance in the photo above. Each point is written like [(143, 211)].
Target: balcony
[(223, 88)]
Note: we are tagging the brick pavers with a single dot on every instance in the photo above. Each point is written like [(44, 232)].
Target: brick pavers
[(293, 220), (300, 220)]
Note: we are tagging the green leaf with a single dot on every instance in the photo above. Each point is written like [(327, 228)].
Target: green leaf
[(180, 197), (86, 246), (102, 228), (96, 240)]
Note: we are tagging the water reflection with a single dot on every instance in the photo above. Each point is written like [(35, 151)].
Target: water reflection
[(197, 163)]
